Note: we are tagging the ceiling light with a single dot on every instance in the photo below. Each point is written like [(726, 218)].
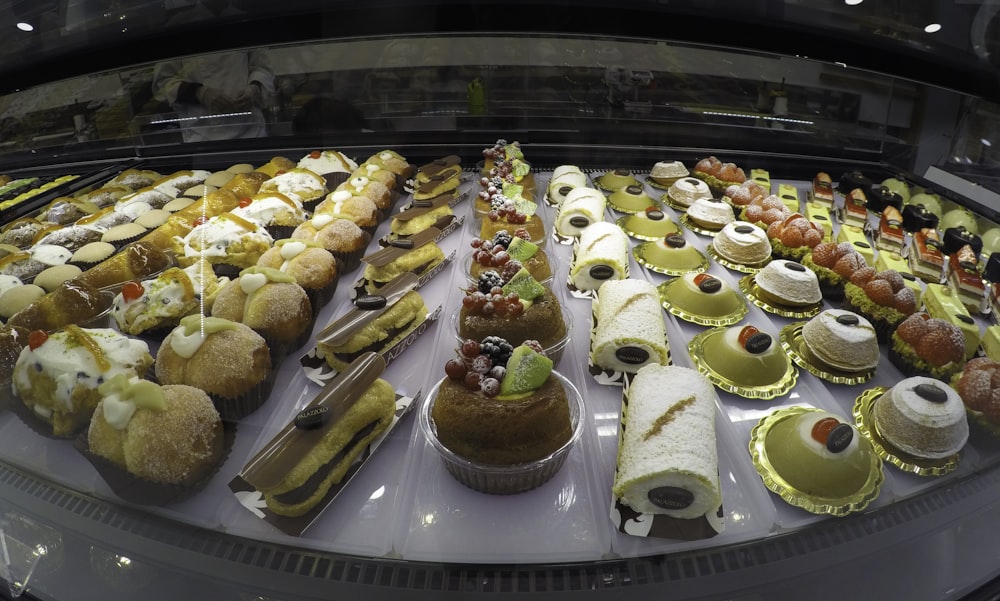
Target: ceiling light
[(985, 142), (933, 28), (25, 26), (853, 2)]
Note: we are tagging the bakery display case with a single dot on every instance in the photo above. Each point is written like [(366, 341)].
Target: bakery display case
[(781, 90)]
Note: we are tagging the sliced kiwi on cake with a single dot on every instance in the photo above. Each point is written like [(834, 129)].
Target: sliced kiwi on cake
[(527, 371), (525, 287), (521, 249)]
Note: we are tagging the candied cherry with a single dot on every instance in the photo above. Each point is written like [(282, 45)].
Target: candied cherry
[(200, 220), (132, 290), (315, 154), (37, 338), (470, 348), (701, 277), (821, 429), (245, 202), (746, 334)]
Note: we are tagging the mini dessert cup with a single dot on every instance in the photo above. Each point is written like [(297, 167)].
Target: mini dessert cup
[(505, 479), (553, 351)]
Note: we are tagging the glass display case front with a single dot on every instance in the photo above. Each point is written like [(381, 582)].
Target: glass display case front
[(404, 522)]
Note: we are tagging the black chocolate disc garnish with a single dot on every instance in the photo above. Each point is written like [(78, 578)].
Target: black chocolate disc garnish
[(758, 343), (710, 285), (370, 302), (579, 221), (839, 438), (675, 241), (743, 229), (848, 319), (965, 318), (908, 276), (820, 217), (632, 355), (794, 266), (601, 272), (693, 182), (655, 215), (622, 171), (670, 497), (564, 190), (930, 392), (636, 190), (311, 417), (862, 245), (401, 243)]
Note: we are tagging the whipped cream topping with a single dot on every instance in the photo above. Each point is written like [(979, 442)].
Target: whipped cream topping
[(321, 220), (298, 183)]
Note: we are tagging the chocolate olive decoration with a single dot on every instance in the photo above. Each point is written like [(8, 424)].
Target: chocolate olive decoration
[(862, 245), (622, 171), (758, 343), (848, 319), (743, 229), (311, 418), (579, 221), (675, 241), (931, 393), (633, 190), (370, 302), (564, 190), (710, 285), (966, 319), (601, 272), (794, 267), (839, 438), (655, 215)]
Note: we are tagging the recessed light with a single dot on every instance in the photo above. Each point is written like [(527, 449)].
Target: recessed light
[(25, 26), (853, 2), (985, 142), (933, 28)]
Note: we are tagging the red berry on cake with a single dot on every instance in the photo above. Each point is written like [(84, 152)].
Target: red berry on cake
[(880, 291), (848, 263), (913, 328), (862, 276), (895, 280), (942, 344), (906, 301)]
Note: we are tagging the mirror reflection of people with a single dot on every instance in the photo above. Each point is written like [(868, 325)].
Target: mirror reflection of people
[(216, 96)]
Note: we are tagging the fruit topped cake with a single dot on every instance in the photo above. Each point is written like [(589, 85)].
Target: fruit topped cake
[(834, 262), (518, 308), (500, 405), (743, 360), (507, 252), (741, 195), (882, 297), (718, 175), (927, 346), (511, 214)]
